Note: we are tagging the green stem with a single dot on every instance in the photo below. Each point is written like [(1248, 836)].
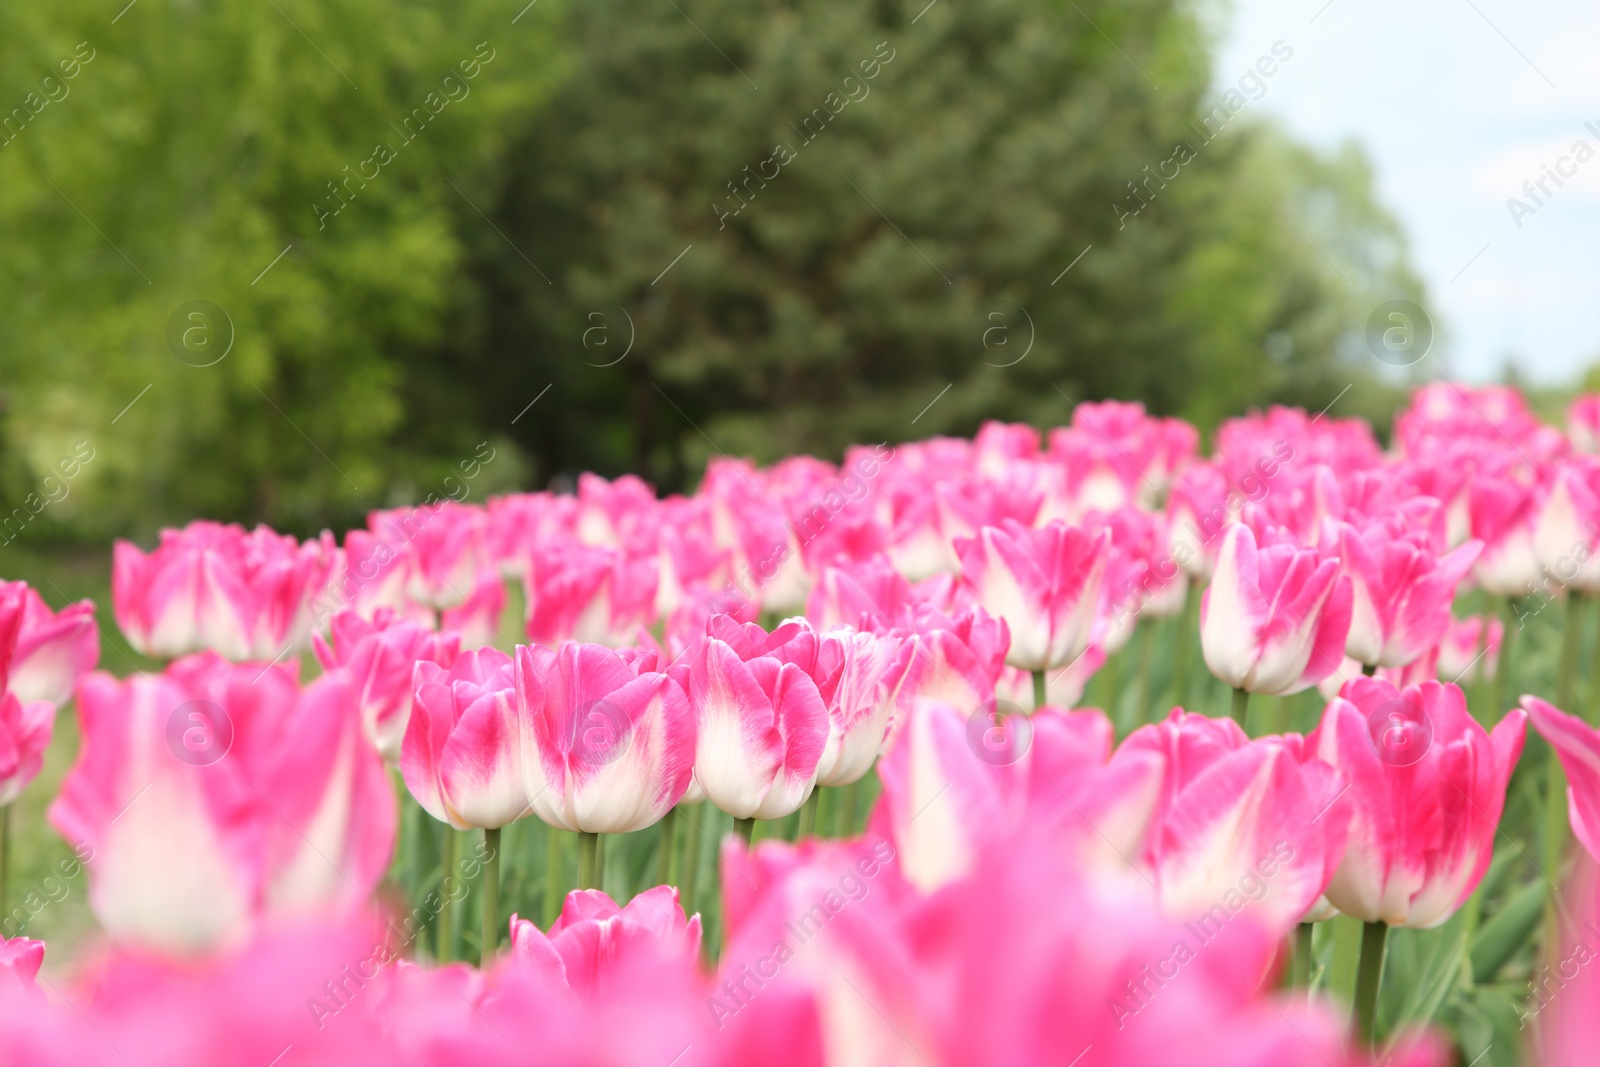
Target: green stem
[(1369, 669), (1594, 682), (666, 850), (1502, 677), (588, 861), (807, 826), (1241, 704), (1302, 956), (1187, 625), (1571, 634), (600, 863), (447, 907), (691, 858), (1369, 975), (5, 855), (1039, 693), (491, 897), (554, 873), (744, 828), (1141, 714)]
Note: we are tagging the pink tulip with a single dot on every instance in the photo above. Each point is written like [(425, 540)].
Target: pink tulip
[(617, 514), (445, 546), (1578, 746), (955, 780), (1274, 619), (1044, 583), (958, 659), (762, 720), (24, 728), (519, 524), (608, 741), (1200, 507), (1242, 824), (593, 938), (589, 595), (1566, 537), (477, 619), (1427, 785), (209, 586), (1402, 592), (831, 962), (859, 595), (379, 656), (1466, 654), (20, 960), (214, 793), (1503, 513), (233, 1009), (54, 649), (861, 700), (462, 752), (1583, 422)]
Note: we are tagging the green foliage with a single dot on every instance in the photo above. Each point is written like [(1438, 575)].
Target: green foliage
[(190, 150), (852, 245)]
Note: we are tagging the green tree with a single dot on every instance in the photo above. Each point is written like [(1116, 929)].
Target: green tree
[(851, 245), (230, 152)]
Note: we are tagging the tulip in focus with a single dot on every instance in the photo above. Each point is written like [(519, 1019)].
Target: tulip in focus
[(862, 700), (1274, 619), (462, 753), (1044, 583), (1427, 785), (1258, 824), (761, 719), (608, 741)]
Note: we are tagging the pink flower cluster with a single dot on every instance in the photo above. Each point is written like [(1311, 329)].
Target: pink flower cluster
[(1029, 890)]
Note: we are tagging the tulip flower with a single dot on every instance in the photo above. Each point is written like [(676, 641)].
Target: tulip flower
[(762, 720), (1274, 619), (1566, 535), (593, 938), (53, 650), (379, 656), (1583, 422), (589, 595), (461, 756), (607, 744), (862, 595), (209, 586), (1467, 653), (1427, 785), (1257, 824), (1577, 744), (477, 619), (862, 701), (20, 960), (956, 780), (1401, 593), (24, 735), (214, 793), (1044, 583), (1503, 512)]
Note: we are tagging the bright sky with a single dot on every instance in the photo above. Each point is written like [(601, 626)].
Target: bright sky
[(1458, 103)]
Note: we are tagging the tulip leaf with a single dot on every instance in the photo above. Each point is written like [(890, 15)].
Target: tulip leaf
[(1500, 938)]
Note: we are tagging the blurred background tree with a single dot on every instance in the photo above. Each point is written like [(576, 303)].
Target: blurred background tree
[(802, 221)]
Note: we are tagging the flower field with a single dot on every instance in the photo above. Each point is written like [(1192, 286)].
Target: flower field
[(1095, 748)]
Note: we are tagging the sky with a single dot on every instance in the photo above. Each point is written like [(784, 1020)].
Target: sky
[(1457, 104)]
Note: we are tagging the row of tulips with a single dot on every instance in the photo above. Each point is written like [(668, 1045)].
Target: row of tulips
[(1027, 889)]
